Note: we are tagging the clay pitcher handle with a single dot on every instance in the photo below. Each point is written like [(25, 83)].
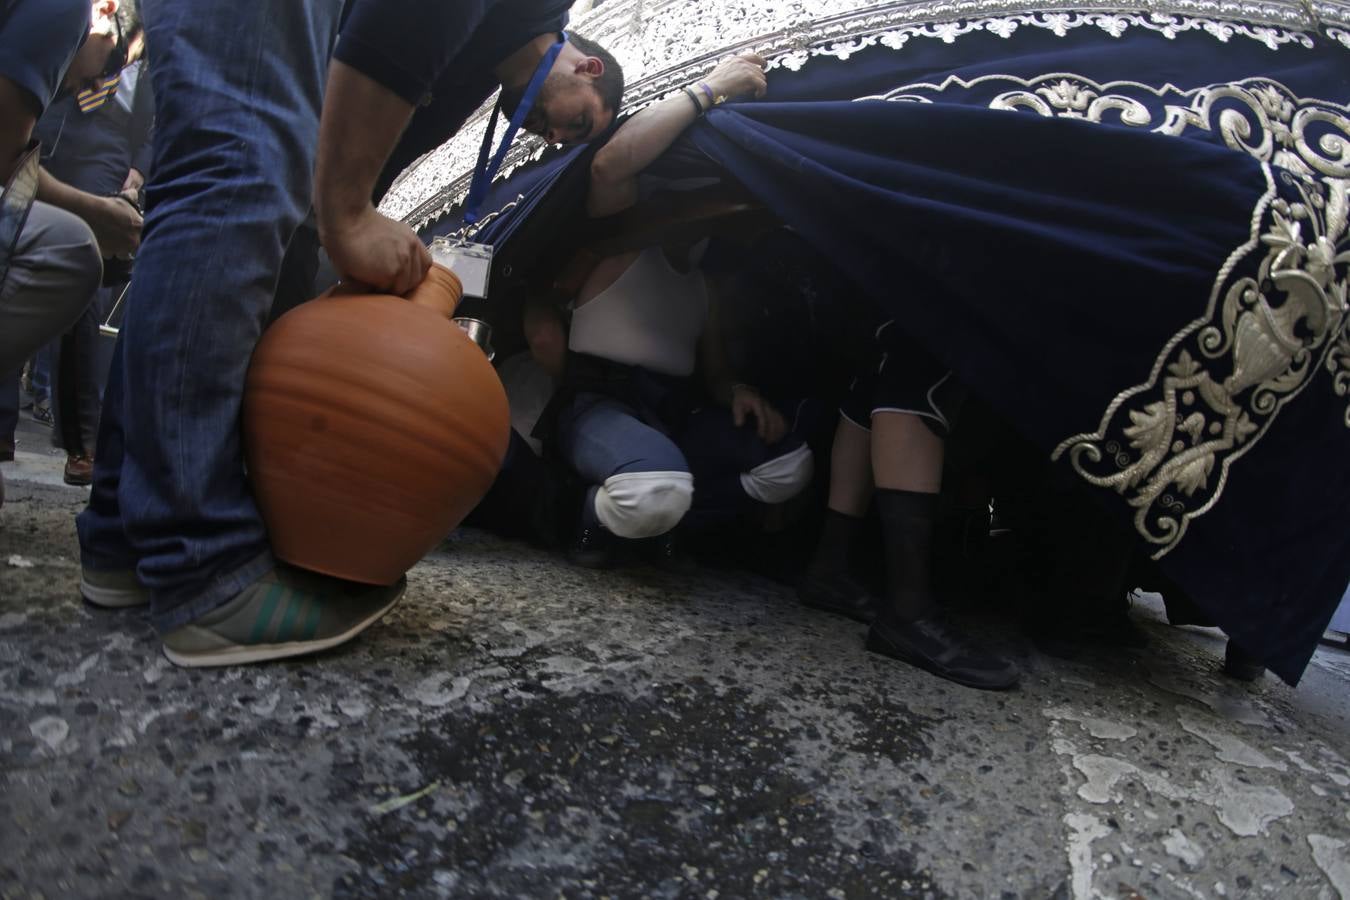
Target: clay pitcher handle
[(440, 291)]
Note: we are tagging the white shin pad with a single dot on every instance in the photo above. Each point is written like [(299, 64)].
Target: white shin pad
[(781, 478), (644, 504)]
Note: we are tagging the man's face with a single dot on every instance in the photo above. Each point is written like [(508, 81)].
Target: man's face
[(568, 110), (90, 61)]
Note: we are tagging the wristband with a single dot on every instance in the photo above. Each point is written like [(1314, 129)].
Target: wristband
[(693, 98)]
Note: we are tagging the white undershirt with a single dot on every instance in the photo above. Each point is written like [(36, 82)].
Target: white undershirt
[(651, 316)]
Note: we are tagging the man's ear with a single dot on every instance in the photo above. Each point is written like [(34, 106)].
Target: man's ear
[(106, 8), (590, 65)]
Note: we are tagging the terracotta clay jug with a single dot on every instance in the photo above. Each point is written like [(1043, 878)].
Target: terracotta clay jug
[(372, 426)]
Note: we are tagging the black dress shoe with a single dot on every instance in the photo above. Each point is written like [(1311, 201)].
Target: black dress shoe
[(1240, 665), (933, 644), (837, 593), (592, 548), (661, 552)]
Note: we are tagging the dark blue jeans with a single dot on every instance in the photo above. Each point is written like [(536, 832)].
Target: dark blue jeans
[(41, 377), (238, 91)]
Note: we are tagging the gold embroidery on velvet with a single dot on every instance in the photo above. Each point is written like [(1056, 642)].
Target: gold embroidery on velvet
[(1218, 385), (1258, 116)]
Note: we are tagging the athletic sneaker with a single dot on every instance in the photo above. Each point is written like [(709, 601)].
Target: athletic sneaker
[(286, 612), (114, 589)]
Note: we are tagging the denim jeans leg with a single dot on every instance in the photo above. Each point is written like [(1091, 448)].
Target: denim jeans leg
[(42, 375), (238, 90), (599, 437)]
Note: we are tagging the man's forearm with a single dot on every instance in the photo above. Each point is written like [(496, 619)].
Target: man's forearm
[(59, 194), (647, 135), (362, 121), (636, 144), (115, 223), (16, 126)]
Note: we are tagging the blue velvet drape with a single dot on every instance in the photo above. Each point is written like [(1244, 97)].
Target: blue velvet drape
[(1084, 276)]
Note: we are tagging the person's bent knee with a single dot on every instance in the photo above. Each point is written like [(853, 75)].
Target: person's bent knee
[(55, 271), (644, 504), (781, 478), (61, 256), (79, 268), (83, 264)]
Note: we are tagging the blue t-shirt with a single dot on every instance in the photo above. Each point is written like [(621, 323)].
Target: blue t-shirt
[(92, 151), (440, 57), (38, 39)]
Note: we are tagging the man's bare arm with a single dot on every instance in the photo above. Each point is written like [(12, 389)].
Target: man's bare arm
[(16, 125), (647, 135), (115, 222), (362, 121)]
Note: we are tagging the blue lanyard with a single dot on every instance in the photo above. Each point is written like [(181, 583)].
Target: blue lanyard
[(483, 172)]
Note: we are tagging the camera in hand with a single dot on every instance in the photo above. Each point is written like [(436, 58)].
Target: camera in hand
[(117, 269)]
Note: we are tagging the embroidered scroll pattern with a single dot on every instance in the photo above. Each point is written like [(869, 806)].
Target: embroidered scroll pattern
[(1166, 445), (1263, 118)]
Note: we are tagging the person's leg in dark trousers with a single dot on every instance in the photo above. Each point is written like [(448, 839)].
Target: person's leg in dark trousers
[(230, 185), (106, 302), (639, 481), (907, 459), (41, 379), (912, 398), (735, 471), (295, 285), (9, 421), (9, 413), (830, 583), (229, 188), (75, 397)]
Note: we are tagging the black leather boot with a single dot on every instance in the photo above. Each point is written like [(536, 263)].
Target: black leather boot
[(829, 584), (912, 628)]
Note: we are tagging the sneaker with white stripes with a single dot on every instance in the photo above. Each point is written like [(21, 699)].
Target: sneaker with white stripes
[(287, 612)]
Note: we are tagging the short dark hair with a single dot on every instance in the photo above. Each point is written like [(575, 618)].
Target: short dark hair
[(129, 17), (610, 84)]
